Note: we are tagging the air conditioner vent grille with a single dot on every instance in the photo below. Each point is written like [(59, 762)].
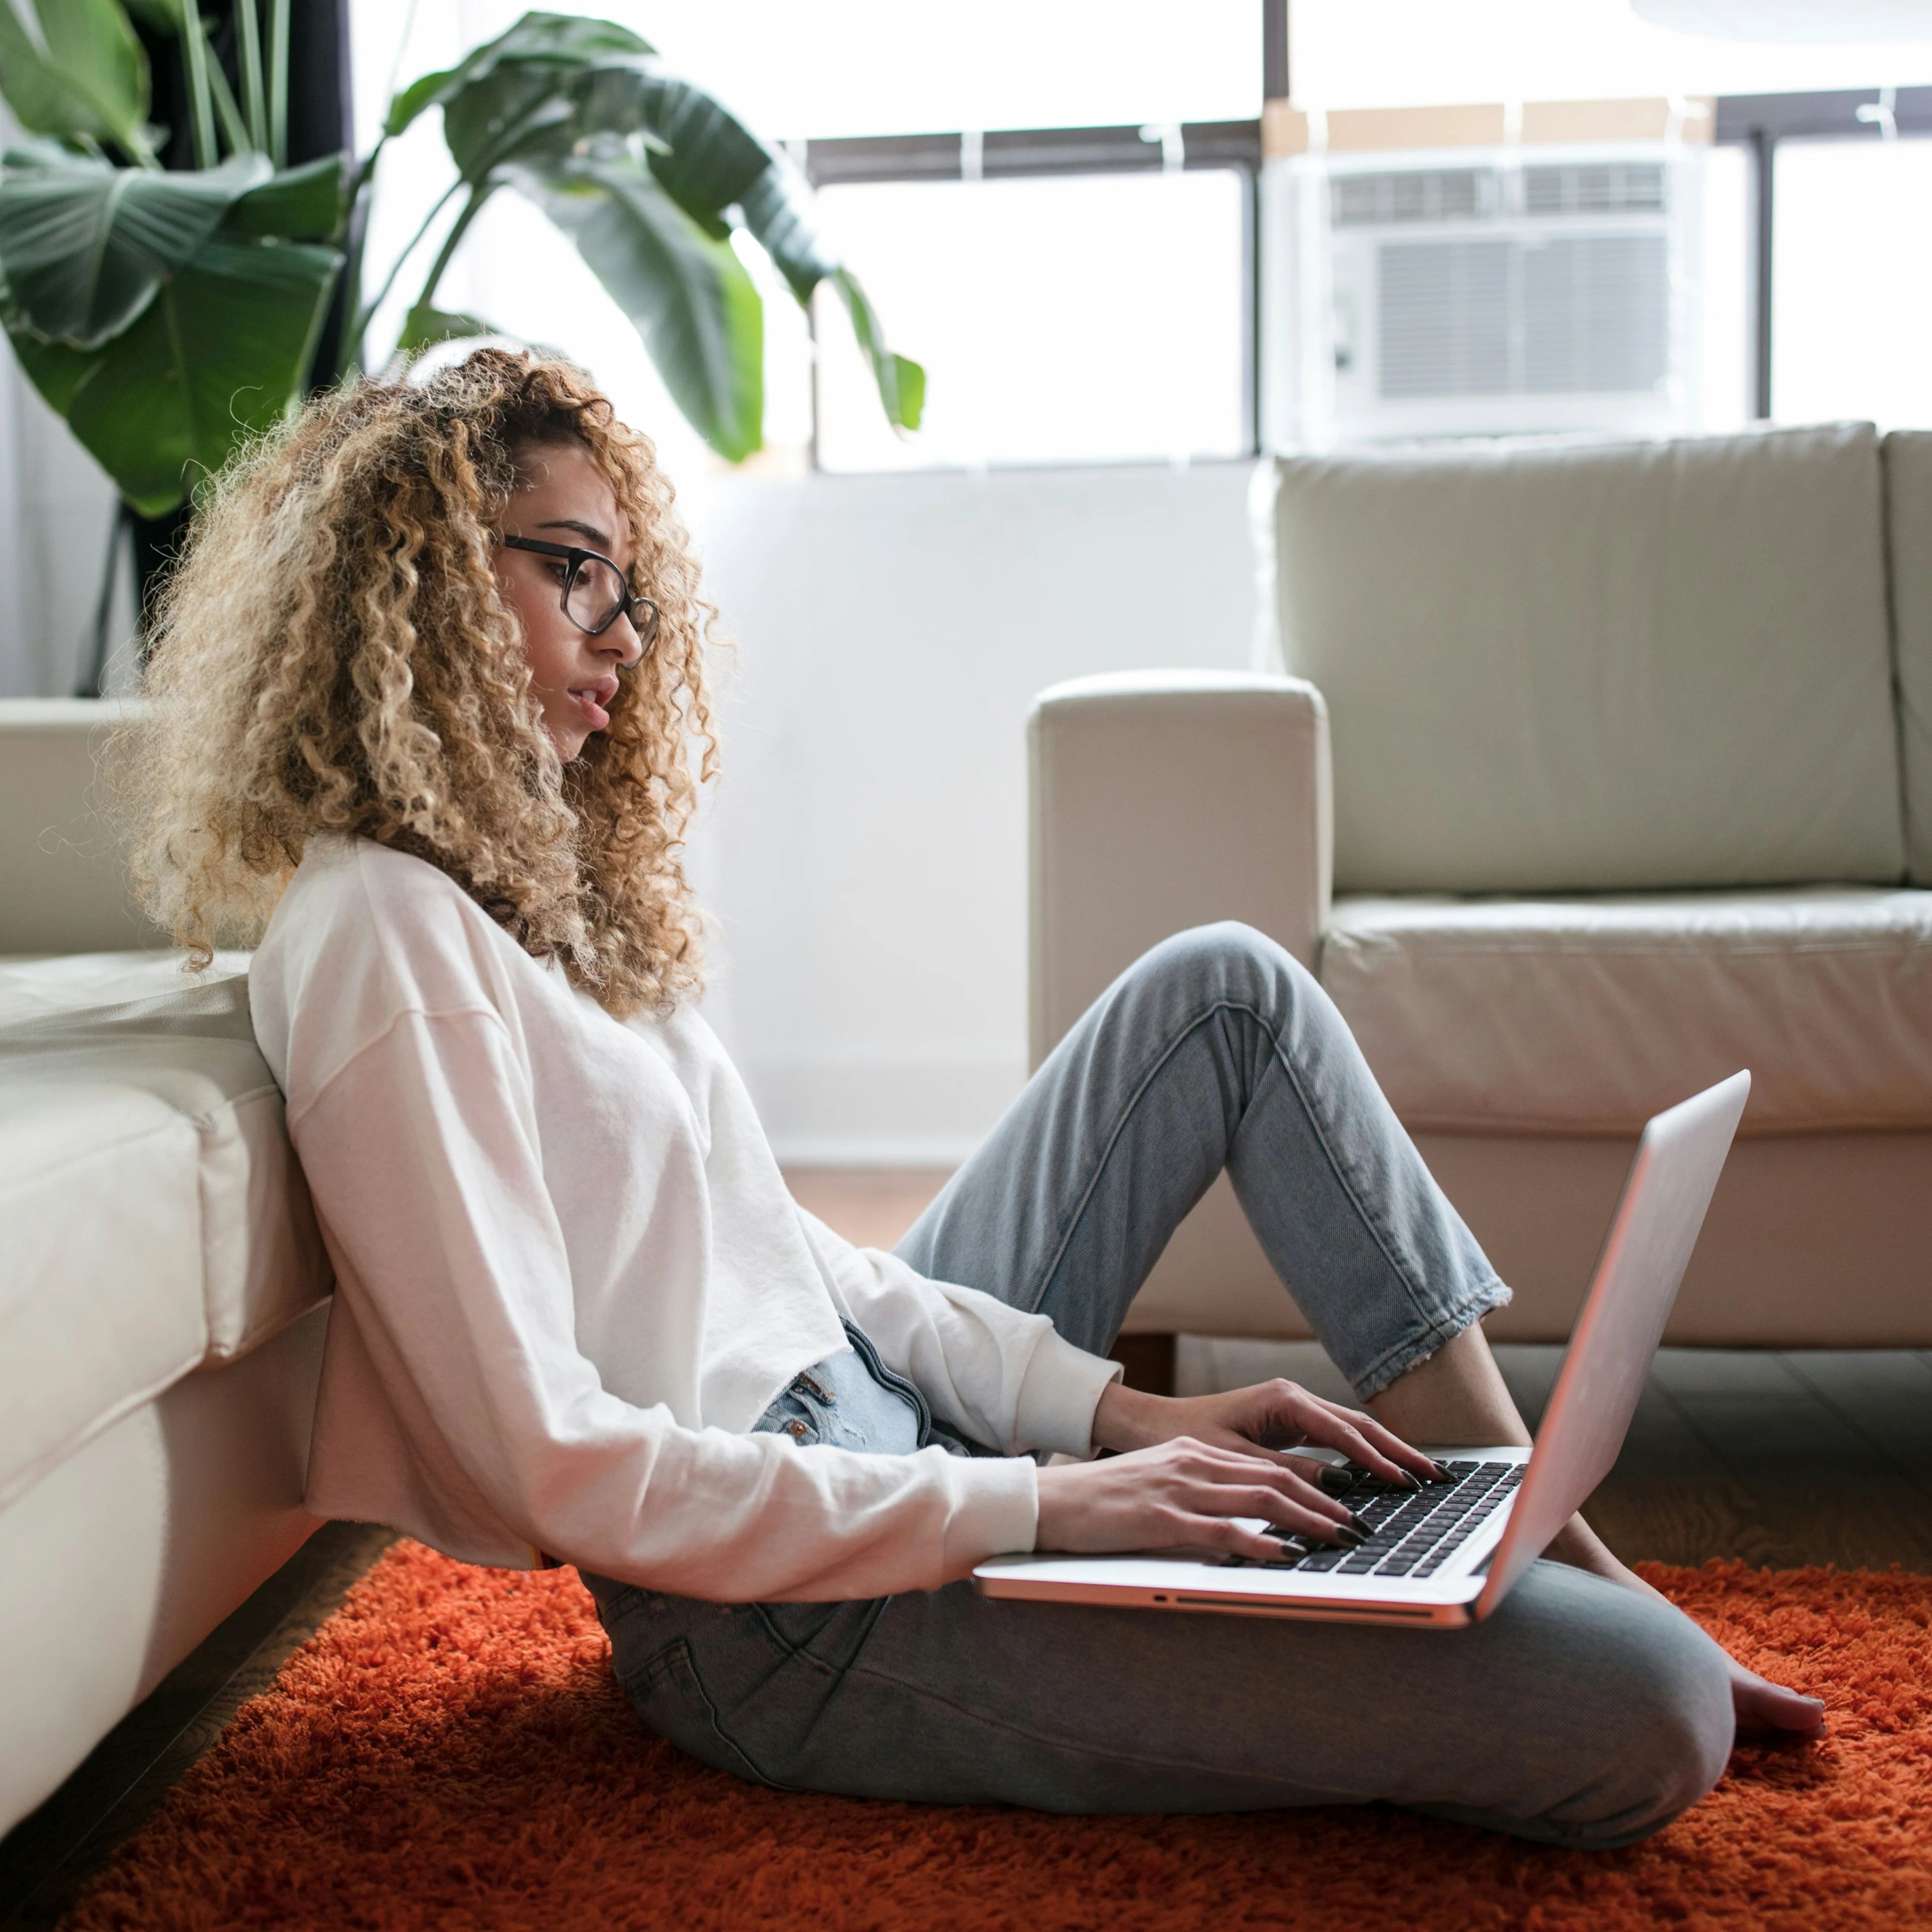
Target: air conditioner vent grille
[(1596, 311), (1412, 195), (1574, 315), (1594, 187), (1444, 318)]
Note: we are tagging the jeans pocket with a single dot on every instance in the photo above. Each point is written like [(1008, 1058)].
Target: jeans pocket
[(669, 1695), (822, 1639)]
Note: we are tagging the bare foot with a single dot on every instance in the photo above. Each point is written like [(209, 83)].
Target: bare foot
[(1763, 1708)]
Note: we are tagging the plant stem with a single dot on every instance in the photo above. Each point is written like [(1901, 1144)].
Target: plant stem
[(278, 82), (194, 44), (353, 342), (252, 92), (478, 195), (227, 112)]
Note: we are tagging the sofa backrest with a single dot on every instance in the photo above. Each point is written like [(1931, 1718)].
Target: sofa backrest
[(63, 885), (1908, 496), (1588, 667)]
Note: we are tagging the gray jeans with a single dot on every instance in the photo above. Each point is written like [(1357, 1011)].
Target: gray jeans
[(1580, 1714)]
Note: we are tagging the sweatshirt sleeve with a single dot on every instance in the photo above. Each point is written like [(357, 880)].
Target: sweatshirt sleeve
[(1004, 1377), (460, 1350)]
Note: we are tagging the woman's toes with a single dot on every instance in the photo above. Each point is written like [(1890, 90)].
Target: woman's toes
[(1763, 1706)]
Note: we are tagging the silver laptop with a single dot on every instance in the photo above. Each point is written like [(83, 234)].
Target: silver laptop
[(1450, 1554)]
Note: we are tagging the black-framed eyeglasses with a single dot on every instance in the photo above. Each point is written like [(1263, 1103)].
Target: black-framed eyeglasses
[(595, 593)]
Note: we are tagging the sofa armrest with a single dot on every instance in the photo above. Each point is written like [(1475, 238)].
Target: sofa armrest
[(1161, 800)]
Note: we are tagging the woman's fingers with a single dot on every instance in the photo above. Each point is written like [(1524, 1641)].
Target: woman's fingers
[(1223, 1483), (1230, 1538), (1184, 1493), (1285, 1415), (1362, 1439), (1303, 1477)]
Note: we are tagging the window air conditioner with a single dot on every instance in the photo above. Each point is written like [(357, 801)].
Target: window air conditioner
[(1482, 291)]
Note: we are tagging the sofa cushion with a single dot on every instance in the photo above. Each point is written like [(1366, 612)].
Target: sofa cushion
[(134, 1021), (1598, 666), (1908, 496), (100, 1270), (1586, 1015)]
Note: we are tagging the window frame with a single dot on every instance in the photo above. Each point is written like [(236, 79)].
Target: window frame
[(1007, 154), (1759, 122)]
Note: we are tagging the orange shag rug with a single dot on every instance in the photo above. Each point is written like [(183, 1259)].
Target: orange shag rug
[(449, 1751)]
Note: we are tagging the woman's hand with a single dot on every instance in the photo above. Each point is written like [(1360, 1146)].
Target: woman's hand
[(1183, 1494), (1190, 1467), (1259, 1421)]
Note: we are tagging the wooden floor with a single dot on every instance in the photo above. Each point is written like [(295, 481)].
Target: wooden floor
[(1781, 1459)]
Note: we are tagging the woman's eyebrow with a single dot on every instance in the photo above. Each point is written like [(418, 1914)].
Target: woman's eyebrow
[(596, 538)]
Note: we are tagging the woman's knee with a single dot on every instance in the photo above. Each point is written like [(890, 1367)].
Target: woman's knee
[(1656, 1694), (1227, 960)]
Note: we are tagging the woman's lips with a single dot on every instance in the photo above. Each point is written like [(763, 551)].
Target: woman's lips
[(591, 699)]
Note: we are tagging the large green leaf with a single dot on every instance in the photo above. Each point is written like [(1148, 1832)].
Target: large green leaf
[(687, 295), (706, 158), (424, 328), (708, 162), (163, 16), (303, 204), (53, 368), (221, 351), (566, 43), (516, 112), (85, 246), (901, 382), (86, 76)]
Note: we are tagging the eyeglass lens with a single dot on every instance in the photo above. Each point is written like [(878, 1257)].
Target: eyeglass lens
[(596, 595)]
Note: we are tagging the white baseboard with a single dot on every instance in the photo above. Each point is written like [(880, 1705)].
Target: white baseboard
[(879, 1151)]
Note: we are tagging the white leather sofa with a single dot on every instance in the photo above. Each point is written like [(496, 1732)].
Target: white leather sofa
[(161, 1284), (1591, 773)]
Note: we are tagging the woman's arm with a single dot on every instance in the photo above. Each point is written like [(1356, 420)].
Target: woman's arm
[(458, 1368)]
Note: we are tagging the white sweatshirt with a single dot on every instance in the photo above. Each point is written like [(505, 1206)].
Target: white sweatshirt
[(569, 1279)]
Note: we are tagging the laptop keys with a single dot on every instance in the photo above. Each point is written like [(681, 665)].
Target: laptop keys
[(1411, 1533)]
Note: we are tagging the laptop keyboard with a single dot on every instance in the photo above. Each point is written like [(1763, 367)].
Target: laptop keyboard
[(1411, 1533)]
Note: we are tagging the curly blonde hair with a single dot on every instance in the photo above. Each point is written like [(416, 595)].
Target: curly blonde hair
[(330, 655)]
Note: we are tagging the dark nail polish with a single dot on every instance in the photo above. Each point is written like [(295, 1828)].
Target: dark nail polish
[(1411, 1482), (1360, 1522), (1350, 1538), (1444, 1473), (1337, 1482)]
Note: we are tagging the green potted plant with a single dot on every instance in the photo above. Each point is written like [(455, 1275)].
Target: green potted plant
[(167, 315)]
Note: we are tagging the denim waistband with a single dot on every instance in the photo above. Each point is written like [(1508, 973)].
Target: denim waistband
[(852, 1400)]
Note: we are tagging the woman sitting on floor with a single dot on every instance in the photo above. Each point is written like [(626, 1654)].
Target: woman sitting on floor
[(430, 720)]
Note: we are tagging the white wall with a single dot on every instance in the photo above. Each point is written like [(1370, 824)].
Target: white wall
[(56, 509), (866, 856)]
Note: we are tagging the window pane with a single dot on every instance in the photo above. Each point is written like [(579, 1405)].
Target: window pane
[(1398, 53), (881, 67), (1060, 319), (1852, 282)]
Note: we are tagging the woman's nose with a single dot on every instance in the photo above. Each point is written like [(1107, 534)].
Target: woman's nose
[(622, 642)]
